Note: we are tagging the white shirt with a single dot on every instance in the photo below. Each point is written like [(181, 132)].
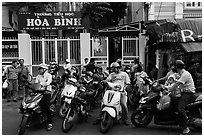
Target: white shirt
[(121, 78), (187, 82), (45, 80)]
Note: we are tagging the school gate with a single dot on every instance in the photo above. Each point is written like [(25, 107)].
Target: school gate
[(42, 50)]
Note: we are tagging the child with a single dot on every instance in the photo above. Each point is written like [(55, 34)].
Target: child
[(164, 101)]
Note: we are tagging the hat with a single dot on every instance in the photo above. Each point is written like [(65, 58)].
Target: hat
[(172, 76), (44, 66), (179, 62)]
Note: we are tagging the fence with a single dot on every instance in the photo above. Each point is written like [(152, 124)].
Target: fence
[(43, 50)]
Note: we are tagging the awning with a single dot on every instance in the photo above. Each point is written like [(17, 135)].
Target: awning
[(132, 29), (169, 30), (192, 46)]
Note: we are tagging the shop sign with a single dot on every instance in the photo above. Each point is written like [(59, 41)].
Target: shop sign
[(182, 36), (9, 46), (48, 20)]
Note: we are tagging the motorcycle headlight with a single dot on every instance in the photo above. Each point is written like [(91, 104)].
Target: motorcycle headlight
[(33, 104)]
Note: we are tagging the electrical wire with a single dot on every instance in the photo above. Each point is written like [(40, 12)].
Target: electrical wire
[(159, 11)]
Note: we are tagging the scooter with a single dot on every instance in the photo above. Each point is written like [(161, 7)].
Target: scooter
[(67, 94), (111, 108), (31, 109), (77, 108), (148, 109)]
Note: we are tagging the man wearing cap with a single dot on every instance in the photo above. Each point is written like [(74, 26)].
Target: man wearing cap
[(24, 71), (44, 79), (186, 84)]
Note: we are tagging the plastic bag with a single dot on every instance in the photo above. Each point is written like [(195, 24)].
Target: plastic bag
[(5, 84), (164, 102)]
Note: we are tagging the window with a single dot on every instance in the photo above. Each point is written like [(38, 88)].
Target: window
[(188, 4), (192, 4)]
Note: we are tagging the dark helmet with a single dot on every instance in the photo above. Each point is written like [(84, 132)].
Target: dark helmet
[(179, 64), (99, 67)]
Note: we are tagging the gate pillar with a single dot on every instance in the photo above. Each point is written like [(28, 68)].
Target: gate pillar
[(85, 46), (25, 52)]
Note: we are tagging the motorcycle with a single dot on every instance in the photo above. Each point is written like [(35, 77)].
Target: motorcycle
[(148, 104), (111, 108), (77, 108), (139, 91), (67, 94), (31, 109)]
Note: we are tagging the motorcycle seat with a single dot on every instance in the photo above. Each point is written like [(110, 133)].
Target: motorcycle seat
[(198, 97), (197, 101)]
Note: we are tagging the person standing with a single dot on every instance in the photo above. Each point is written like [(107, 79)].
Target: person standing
[(44, 78), (186, 84), (23, 70), (12, 73)]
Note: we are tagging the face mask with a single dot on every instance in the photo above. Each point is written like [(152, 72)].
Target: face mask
[(128, 71)]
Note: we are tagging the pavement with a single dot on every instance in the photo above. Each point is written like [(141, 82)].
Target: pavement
[(11, 120)]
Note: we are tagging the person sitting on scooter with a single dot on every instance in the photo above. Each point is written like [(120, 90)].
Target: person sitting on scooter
[(44, 79), (121, 78), (164, 101), (186, 84)]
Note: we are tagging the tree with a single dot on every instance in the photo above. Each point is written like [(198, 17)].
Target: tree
[(92, 13), (96, 15), (30, 6), (113, 18)]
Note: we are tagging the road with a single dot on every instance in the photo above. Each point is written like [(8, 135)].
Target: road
[(11, 119)]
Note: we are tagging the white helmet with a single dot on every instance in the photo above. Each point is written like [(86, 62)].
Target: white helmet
[(114, 64), (67, 60), (44, 66)]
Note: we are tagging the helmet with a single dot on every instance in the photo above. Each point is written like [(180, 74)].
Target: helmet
[(67, 60), (115, 64), (89, 73), (179, 64), (44, 66)]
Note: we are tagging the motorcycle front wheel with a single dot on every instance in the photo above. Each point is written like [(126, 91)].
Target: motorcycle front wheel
[(141, 118), (63, 110), (22, 127), (106, 122), (68, 121)]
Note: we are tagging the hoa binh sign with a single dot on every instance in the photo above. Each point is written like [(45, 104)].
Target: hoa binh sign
[(48, 20)]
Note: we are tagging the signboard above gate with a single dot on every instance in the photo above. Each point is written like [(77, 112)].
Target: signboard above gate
[(49, 20)]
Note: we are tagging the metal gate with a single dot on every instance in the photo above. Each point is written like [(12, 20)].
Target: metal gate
[(130, 49), (45, 50)]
